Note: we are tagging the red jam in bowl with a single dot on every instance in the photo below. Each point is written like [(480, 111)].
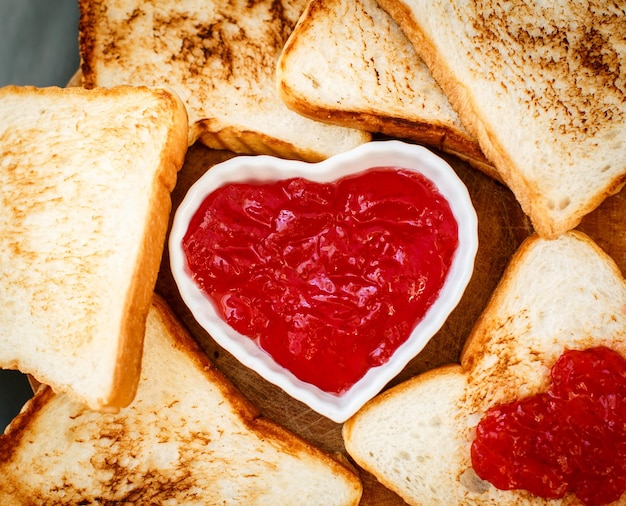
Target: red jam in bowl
[(570, 439), (328, 278)]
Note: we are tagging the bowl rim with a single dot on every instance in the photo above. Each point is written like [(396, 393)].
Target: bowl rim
[(388, 153)]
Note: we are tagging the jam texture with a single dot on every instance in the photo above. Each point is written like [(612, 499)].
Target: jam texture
[(569, 439), (329, 278)]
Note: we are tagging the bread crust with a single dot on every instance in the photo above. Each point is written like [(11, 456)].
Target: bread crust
[(139, 297)]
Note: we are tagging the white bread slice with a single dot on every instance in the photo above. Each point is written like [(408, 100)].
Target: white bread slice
[(189, 437), (220, 57), (84, 209), (349, 63), (541, 85), (556, 294)]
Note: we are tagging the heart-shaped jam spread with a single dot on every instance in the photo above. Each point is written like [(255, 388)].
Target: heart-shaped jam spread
[(570, 439), (328, 278)]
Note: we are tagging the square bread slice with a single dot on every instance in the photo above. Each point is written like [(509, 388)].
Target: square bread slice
[(188, 438), (541, 86), (84, 208), (349, 63), (220, 57), (555, 295)]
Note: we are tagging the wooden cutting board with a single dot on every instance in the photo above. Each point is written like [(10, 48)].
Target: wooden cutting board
[(502, 227)]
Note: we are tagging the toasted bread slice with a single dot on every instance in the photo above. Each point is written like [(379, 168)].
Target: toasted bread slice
[(84, 208), (555, 295), (349, 63), (220, 57), (189, 437), (541, 86)]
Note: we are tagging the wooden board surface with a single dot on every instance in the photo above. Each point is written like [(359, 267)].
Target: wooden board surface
[(502, 227)]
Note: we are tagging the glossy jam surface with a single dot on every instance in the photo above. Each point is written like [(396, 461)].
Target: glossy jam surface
[(329, 278), (570, 439)]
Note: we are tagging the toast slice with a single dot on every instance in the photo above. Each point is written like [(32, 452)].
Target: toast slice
[(189, 437), (349, 63), (541, 86), (555, 295), (220, 57), (84, 209)]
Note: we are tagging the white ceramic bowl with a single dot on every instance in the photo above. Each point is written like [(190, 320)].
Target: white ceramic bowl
[(372, 154)]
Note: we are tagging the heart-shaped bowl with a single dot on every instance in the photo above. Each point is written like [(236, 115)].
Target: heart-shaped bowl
[(267, 168)]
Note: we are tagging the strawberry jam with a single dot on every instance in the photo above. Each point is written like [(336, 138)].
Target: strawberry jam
[(328, 278), (570, 439)]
